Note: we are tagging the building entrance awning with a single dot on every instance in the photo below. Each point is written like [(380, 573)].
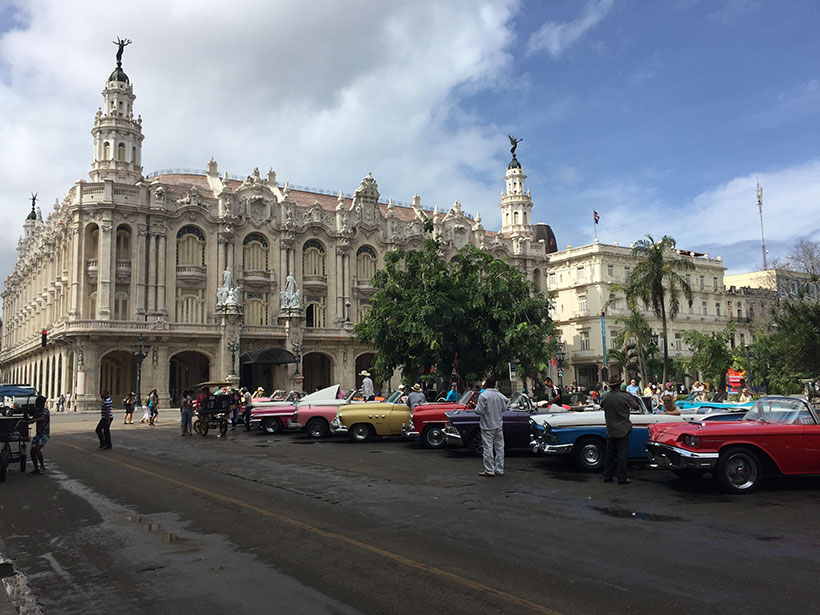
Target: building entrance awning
[(268, 356)]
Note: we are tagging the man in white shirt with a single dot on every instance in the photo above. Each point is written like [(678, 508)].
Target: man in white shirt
[(368, 392), (490, 409)]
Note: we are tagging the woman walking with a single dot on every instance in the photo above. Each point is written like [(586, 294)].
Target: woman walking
[(153, 410), (128, 402), (186, 410)]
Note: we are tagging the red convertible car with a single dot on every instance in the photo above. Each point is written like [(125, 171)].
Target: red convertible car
[(429, 419), (779, 435)]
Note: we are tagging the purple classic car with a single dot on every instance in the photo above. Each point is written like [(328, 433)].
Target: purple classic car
[(462, 427)]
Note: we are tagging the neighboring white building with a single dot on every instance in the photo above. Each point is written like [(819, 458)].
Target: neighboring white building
[(189, 262), (579, 283)]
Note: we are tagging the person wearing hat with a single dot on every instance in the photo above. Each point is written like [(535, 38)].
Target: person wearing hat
[(668, 398), (416, 397), (490, 410), (402, 394), (616, 406), (368, 393), (259, 392), (245, 402)]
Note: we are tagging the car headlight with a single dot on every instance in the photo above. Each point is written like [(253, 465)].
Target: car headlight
[(690, 440)]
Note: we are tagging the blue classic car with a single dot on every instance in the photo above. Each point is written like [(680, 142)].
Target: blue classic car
[(462, 428), (581, 436)]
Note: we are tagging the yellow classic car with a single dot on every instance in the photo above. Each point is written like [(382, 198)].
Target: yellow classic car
[(362, 421)]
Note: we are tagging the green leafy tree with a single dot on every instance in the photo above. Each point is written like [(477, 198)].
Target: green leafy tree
[(711, 354), (635, 330), (656, 280), (427, 312)]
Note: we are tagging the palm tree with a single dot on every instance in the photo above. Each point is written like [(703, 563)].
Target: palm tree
[(656, 281), (635, 330)]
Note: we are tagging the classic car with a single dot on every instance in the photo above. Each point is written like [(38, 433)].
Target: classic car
[(581, 436), (362, 421), (462, 427), (779, 435), (275, 413), (315, 411), (428, 420)]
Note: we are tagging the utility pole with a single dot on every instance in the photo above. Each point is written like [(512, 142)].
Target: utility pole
[(762, 234)]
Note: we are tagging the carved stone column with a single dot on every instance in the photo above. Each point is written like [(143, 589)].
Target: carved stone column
[(77, 273), (162, 307), (152, 272), (105, 266), (140, 273)]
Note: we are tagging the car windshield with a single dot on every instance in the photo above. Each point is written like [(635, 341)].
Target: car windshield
[(465, 397), (519, 401), (781, 410), (394, 397)]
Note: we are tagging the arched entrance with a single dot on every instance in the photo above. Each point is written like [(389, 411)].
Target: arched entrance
[(316, 371), (117, 375), (363, 362), (187, 369), (269, 368)]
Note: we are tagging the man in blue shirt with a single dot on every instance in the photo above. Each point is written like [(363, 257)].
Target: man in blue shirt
[(632, 388), (452, 394)]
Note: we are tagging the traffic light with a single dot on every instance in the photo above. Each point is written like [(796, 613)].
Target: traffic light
[(44, 338)]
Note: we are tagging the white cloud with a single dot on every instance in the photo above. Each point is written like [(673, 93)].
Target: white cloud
[(722, 221), (555, 38), (324, 92)]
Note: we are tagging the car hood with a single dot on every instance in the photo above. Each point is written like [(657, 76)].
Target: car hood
[(671, 432)]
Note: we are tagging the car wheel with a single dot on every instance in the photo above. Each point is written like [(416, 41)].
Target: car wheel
[(588, 454), (271, 425), (738, 470), (360, 432), (318, 428), (433, 437), (474, 443), (688, 473)]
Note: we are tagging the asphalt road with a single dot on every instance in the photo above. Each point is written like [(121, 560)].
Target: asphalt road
[(254, 523)]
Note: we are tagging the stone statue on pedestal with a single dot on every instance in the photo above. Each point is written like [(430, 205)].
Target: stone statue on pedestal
[(290, 296)]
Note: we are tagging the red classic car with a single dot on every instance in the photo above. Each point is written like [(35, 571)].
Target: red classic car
[(779, 435), (429, 419)]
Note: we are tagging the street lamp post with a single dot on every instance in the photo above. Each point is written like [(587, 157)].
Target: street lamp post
[(297, 350), (561, 355), (233, 348), (347, 310), (140, 351)]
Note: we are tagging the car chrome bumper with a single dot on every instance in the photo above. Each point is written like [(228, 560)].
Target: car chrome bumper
[(337, 427), (667, 456), (409, 431), (539, 446), (452, 436)]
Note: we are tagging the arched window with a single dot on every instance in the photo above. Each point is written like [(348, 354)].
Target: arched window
[(256, 309), (313, 258), (255, 253), (134, 155), (507, 218), (123, 244), (121, 152), (190, 247), (515, 217), (190, 305), (315, 312), (106, 151), (364, 310), (365, 264)]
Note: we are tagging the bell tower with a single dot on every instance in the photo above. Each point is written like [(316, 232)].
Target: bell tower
[(516, 204), (117, 135)]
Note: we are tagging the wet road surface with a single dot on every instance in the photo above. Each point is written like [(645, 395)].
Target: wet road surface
[(254, 523)]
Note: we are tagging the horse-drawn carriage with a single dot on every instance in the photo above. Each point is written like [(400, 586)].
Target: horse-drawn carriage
[(14, 437)]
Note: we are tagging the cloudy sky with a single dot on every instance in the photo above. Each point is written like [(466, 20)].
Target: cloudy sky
[(662, 116)]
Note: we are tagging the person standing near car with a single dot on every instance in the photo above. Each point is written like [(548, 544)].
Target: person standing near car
[(416, 397), (452, 394), (247, 401), (490, 410), (368, 392), (554, 395), (42, 418), (106, 417), (669, 397), (616, 406)]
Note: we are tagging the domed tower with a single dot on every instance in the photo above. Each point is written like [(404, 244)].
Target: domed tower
[(117, 135), (31, 220), (516, 204)]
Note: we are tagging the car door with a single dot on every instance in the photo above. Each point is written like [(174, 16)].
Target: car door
[(399, 417)]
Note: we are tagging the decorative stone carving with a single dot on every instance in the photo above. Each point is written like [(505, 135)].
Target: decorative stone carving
[(290, 297)]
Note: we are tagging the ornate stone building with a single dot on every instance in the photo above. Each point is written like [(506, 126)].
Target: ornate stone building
[(206, 276)]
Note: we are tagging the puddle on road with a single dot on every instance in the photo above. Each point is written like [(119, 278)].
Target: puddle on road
[(6, 570), (624, 513)]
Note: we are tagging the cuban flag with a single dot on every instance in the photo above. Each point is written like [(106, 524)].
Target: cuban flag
[(595, 216)]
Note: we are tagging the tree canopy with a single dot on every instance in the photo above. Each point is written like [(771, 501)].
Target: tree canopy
[(429, 314), (711, 354)]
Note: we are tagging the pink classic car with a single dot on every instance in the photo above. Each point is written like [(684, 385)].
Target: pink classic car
[(315, 411), (275, 413)]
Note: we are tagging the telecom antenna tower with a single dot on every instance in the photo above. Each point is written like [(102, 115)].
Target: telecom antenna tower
[(762, 234)]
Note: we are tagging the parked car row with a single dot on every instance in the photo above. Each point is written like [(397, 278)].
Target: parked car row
[(737, 443)]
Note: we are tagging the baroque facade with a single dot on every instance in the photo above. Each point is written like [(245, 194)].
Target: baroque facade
[(186, 277)]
